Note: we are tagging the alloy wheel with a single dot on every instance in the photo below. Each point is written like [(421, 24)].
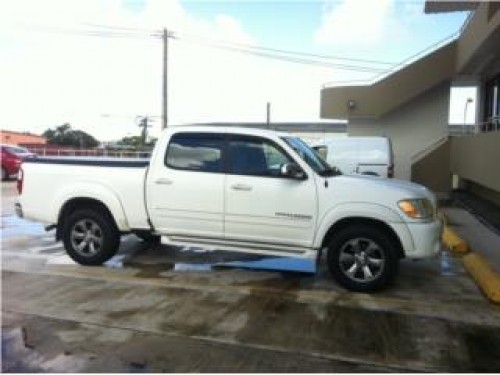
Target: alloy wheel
[(87, 237), (362, 260)]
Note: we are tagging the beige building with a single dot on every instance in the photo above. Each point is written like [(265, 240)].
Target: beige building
[(411, 106)]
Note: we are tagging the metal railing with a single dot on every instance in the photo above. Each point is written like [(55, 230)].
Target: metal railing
[(492, 125), (405, 62), (428, 149), (396, 67)]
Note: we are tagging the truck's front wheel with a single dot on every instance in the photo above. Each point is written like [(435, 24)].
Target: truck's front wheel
[(362, 258), (90, 237)]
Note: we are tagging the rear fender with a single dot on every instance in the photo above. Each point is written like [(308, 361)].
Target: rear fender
[(95, 192)]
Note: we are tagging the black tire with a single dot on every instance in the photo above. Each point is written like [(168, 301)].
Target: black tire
[(5, 175), (90, 225), (357, 248), (148, 237)]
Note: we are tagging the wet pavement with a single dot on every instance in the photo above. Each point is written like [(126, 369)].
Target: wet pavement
[(161, 308)]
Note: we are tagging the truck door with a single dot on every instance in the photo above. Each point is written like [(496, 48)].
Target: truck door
[(261, 205), (185, 190)]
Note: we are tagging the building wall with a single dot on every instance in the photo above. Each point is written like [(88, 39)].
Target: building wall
[(433, 170), (412, 128), (472, 43), (15, 138), (476, 158), (312, 138)]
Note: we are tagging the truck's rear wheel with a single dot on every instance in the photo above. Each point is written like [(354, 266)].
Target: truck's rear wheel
[(363, 258), (90, 237)]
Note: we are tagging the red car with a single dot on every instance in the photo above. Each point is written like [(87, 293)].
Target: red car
[(12, 157)]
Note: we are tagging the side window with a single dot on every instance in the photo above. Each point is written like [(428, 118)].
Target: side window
[(195, 152), (255, 157)]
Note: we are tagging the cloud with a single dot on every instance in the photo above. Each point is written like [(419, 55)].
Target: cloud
[(50, 75), (354, 23)]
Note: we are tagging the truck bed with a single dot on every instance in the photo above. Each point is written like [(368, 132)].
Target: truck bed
[(49, 181)]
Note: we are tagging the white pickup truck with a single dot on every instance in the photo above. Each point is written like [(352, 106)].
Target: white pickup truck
[(236, 189)]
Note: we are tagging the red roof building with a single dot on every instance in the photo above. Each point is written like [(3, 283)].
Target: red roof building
[(19, 138)]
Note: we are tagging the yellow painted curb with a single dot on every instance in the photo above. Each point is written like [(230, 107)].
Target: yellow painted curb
[(453, 242), (483, 274)]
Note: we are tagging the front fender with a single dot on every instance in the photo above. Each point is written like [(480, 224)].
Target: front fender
[(358, 210), (91, 191)]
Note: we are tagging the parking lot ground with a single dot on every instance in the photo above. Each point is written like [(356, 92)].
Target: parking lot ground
[(161, 308)]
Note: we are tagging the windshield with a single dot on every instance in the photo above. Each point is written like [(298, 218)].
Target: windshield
[(17, 150), (309, 156)]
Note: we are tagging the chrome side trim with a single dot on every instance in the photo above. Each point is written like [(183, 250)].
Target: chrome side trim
[(232, 245)]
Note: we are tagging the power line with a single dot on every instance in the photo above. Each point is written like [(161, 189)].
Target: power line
[(94, 33), (286, 58), (114, 27), (259, 51), (264, 52), (281, 51), (179, 35)]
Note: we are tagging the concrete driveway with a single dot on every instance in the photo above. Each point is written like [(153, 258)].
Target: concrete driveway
[(160, 308)]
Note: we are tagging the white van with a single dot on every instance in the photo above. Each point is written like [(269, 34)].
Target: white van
[(359, 155)]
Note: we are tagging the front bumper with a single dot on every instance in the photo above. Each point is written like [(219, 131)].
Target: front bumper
[(426, 239)]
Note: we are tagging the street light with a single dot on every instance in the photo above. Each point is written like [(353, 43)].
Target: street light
[(469, 100)]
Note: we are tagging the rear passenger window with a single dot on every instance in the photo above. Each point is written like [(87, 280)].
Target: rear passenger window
[(195, 152)]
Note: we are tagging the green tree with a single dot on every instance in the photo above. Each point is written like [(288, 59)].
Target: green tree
[(64, 135), (137, 142), (134, 141)]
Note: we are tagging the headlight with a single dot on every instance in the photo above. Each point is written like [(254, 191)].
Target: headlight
[(417, 208)]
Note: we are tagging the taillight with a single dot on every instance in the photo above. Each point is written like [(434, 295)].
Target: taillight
[(390, 171), (20, 180)]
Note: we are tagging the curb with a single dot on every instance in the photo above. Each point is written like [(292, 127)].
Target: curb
[(482, 273), (453, 242)]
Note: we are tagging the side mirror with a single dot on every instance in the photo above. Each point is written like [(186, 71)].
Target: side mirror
[(293, 170)]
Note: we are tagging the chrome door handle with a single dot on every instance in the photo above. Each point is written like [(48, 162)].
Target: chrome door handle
[(241, 187), (163, 181)]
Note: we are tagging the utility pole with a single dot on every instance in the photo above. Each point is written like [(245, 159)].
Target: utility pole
[(467, 102), (143, 122), (164, 119), (268, 114)]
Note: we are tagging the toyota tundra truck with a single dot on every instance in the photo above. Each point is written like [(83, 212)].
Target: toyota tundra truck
[(236, 189)]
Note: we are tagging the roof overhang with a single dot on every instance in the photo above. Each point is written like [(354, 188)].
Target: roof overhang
[(449, 6), (384, 96)]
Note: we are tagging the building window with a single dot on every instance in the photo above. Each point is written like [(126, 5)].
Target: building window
[(491, 118)]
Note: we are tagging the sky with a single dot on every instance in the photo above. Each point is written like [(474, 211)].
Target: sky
[(97, 64)]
